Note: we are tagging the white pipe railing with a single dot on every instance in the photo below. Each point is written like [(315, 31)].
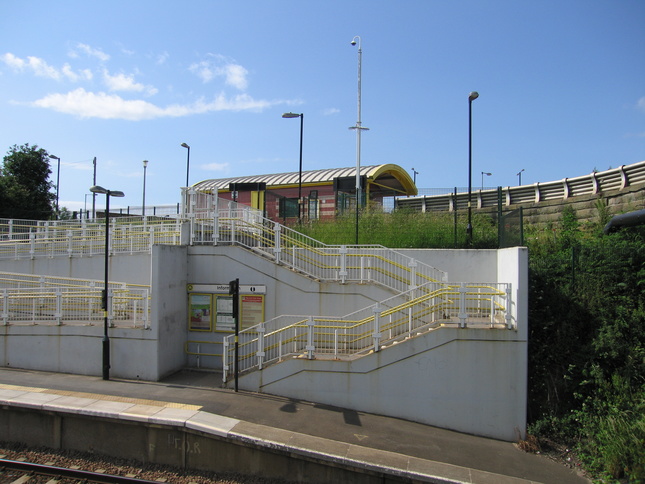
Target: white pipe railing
[(75, 305), (596, 182), (420, 309)]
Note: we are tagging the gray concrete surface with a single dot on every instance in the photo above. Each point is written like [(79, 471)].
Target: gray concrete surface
[(376, 440)]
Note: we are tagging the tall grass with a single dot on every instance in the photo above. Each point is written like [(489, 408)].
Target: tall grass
[(404, 229)]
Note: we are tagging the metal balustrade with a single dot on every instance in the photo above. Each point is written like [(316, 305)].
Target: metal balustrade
[(75, 306), (424, 308), (614, 179), (25, 239)]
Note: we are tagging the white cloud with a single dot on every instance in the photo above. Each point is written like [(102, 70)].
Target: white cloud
[(162, 58), (35, 64), (236, 76), (16, 63), (641, 104), (84, 74), (111, 106), (40, 68), (216, 66), (331, 111), (215, 166), (92, 52), (121, 82)]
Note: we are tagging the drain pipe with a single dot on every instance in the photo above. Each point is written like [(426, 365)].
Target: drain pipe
[(629, 219)]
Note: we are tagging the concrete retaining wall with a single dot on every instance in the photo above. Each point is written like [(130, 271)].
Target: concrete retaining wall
[(200, 441)]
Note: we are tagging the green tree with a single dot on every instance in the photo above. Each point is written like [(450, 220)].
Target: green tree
[(25, 189)]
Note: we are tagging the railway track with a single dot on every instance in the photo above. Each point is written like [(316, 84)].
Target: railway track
[(20, 464), (16, 472)]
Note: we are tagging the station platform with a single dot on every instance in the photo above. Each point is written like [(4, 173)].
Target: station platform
[(391, 446)]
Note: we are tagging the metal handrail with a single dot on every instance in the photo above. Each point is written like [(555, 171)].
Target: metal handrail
[(424, 308), (75, 305)]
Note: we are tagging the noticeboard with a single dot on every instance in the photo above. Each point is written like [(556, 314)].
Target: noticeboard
[(211, 307), (200, 311)]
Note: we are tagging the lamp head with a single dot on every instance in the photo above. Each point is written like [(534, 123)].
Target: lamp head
[(98, 189), (291, 115), (145, 163), (185, 145), (353, 42), (473, 95)]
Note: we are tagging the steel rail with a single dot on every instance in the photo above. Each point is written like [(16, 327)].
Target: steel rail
[(83, 476)]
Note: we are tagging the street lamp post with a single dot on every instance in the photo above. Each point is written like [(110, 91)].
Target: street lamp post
[(143, 208), (302, 122), (414, 175), (469, 228), (53, 157), (519, 174), (358, 129), (104, 298), (187, 161), (487, 174)]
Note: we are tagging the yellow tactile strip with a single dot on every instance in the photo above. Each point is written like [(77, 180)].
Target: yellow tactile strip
[(100, 396)]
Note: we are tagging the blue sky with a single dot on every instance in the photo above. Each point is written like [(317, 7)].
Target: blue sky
[(561, 84)]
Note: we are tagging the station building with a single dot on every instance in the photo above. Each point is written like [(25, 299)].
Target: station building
[(314, 194)]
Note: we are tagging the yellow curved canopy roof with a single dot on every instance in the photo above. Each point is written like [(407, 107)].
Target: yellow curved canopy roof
[(386, 178)]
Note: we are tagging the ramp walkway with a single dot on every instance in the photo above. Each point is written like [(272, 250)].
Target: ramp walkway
[(383, 448)]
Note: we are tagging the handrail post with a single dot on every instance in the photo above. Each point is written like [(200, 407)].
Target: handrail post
[(492, 310), (151, 239), (215, 225), (225, 366), (463, 311), (413, 276), (310, 338), (5, 307), (110, 306), (277, 242), (32, 245), (146, 308), (260, 354), (70, 244), (509, 303), (59, 307), (343, 264), (376, 335)]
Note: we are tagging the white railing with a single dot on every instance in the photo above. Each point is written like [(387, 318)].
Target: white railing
[(233, 224), (424, 308), (597, 182), (75, 306), (27, 239)]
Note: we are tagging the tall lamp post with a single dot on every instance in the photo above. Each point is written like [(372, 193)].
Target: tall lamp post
[(187, 161), (519, 174), (358, 127), (414, 175), (104, 298), (302, 122), (487, 174), (469, 228), (143, 208), (53, 157)]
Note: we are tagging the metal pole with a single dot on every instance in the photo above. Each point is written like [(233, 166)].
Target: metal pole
[(184, 145), (106, 338), (358, 129), (143, 209), (469, 228), (302, 121), (234, 290), (57, 187), (94, 194), (187, 164)]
